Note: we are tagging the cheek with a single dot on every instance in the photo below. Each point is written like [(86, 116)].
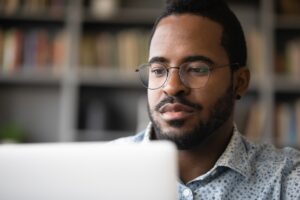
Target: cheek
[(216, 87), (153, 98), (207, 99)]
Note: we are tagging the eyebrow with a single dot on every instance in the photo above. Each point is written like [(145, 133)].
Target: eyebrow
[(192, 58), (158, 59), (198, 58)]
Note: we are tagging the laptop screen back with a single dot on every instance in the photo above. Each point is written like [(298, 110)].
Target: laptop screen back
[(81, 171)]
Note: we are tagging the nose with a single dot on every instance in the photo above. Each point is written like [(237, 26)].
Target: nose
[(174, 85)]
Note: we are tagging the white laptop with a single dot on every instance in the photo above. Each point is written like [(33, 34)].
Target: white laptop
[(88, 171)]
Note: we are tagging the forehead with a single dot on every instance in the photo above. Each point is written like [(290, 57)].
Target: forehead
[(187, 34)]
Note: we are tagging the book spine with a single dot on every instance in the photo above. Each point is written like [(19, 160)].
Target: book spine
[(125, 49), (1, 49)]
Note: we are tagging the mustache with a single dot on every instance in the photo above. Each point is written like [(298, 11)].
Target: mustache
[(174, 99)]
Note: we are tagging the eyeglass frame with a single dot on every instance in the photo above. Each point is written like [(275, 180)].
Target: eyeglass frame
[(211, 67)]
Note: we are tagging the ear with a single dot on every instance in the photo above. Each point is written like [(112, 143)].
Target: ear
[(241, 81)]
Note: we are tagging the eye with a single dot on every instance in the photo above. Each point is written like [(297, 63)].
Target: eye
[(157, 70), (197, 69)]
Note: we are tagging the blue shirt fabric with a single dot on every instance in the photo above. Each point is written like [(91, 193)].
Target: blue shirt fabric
[(244, 171)]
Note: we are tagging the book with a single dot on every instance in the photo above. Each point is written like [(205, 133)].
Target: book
[(291, 7), (12, 50), (30, 51), (123, 50), (42, 58), (292, 59), (59, 50), (132, 48), (88, 54), (104, 8), (1, 49), (255, 125), (53, 8), (255, 51), (104, 49), (10, 7), (143, 46), (286, 128), (57, 7), (35, 7)]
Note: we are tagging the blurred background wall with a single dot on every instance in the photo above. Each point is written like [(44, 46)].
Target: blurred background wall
[(67, 69)]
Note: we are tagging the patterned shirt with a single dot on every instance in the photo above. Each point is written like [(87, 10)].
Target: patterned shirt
[(244, 171)]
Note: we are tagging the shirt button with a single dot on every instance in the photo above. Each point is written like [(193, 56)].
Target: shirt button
[(187, 192), (213, 173)]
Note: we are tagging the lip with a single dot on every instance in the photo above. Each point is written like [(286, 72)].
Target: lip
[(175, 111)]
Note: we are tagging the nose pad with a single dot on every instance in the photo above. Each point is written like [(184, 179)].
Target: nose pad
[(174, 84), (171, 75)]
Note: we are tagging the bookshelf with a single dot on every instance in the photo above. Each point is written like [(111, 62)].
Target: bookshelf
[(286, 33), (90, 95), (34, 44)]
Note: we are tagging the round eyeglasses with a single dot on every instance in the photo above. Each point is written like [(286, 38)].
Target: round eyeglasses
[(193, 75)]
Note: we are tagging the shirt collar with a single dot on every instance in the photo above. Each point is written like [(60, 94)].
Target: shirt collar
[(148, 132), (234, 157)]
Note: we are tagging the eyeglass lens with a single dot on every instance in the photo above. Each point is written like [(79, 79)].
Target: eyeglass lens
[(155, 75)]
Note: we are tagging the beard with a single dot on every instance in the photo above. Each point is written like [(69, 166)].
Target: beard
[(218, 115)]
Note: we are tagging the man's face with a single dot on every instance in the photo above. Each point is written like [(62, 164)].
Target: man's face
[(178, 113)]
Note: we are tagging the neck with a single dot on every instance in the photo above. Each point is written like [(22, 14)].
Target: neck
[(197, 161)]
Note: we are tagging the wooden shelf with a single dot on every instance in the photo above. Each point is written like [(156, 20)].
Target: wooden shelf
[(109, 77), (287, 84), (288, 22), (44, 19), (126, 16), (36, 79)]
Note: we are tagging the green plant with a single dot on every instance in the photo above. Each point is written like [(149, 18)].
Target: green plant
[(11, 132)]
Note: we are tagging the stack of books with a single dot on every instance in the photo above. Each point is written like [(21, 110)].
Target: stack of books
[(123, 50), (31, 51)]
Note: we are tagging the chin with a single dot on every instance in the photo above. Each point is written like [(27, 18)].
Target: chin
[(184, 139), (172, 125), (179, 132), (174, 132)]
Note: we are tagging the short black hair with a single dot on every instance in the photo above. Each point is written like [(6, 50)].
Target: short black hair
[(233, 38)]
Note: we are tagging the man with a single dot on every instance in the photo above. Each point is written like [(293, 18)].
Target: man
[(196, 71)]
